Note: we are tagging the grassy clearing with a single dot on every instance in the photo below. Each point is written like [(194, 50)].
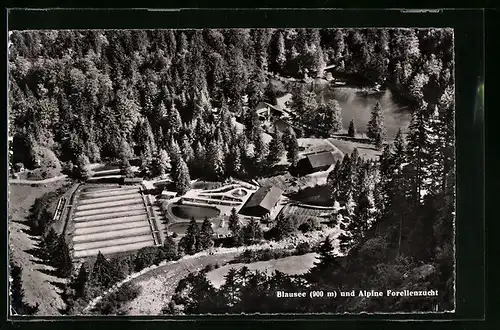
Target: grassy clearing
[(304, 213), (367, 151), (313, 145), (293, 265), (291, 185), (317, 195)]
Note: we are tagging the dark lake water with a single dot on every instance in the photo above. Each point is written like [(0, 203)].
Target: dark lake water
[(197, 212), (357, 103)]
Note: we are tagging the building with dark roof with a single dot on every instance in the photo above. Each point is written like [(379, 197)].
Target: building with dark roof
[(317, 162), (262, 201)]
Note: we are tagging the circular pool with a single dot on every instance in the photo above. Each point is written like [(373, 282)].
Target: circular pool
[(194, 211), (239, 192)]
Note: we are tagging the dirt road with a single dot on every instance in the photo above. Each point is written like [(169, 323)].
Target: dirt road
[(159, 285), (38, 182)]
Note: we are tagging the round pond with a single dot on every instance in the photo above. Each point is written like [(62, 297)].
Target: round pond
[(194, 211)]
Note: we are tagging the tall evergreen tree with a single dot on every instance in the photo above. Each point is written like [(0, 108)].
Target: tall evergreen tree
[(146, 140), (346, 187), (235, 227), (169, 249), (351, 132), (215, 160), (82, 167), (206, 234), (17, 303), (252, 124), (376, 130), (399, 148), (103, 274), (260, 149), (255, 90), (276, 148), (291, 146), (326, 264), (237, 77), (186, 149), (329, 117), (310, 110), (280, 51), (125, 152), (81, 282), (48, 244), (419, 153), (385, 185), (333, 181), (182, 180), (359, 224), (230, 295), (174, 121), (233, 161), (252, 232), (64, 263), (161, 163), (200, 158), (190, 241), (284, 227)]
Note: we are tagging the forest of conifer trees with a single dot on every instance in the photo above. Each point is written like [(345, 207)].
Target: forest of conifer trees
[(120, 94), (169, 98)]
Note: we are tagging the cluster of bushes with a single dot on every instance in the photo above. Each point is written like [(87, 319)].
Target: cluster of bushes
[(210, 267), (152, 255), (311, 224), (288, 225), (114, 303)]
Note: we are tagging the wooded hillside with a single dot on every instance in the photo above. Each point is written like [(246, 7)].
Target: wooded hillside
[(118, 93)]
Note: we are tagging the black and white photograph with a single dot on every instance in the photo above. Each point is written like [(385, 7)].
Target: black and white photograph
[(185, 172)]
